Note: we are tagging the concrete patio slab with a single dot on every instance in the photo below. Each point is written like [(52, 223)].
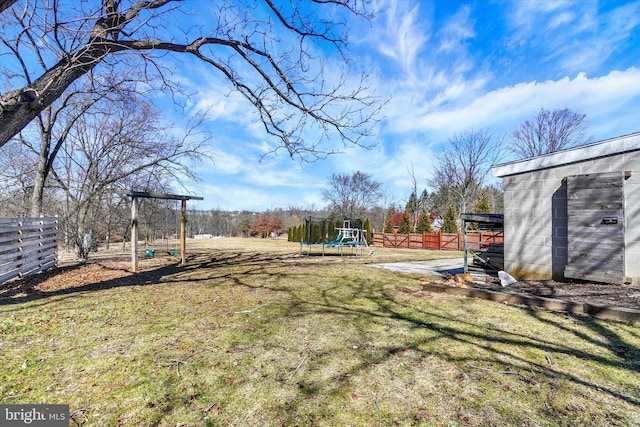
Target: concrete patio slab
[(433, 267)]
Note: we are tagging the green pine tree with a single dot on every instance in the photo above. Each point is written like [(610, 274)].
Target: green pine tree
[(315, 233), (388, 215), (424, 223), (388, 225), (367, 227), (332, 233), (412, 204), (450, 223), (482, 205), (405, 224), (424, 201)]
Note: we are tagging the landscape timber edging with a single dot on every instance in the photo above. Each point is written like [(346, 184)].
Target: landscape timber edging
[(621, 314)]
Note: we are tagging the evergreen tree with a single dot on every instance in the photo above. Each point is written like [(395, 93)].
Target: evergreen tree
[(323, 230), (425, 202), (332, 233), (315, 233), (367, 227), (482, 205), (412, 204), (450, 223), (388, 225), (405, 224), (424, 222), (413, 207)]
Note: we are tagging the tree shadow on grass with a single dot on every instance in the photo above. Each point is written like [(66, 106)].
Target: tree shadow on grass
[(26, 289), (364, 303), (492, 345)]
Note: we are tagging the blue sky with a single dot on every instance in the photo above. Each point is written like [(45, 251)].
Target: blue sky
[(446, 67)]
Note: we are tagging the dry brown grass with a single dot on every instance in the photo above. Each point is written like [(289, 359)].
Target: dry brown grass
[(250, 333)]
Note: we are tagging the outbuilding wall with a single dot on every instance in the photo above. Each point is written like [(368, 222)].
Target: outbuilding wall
[(535, 216)]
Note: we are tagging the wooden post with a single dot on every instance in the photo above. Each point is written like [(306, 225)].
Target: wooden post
[(464, 246), (134, 234), (183, 232)]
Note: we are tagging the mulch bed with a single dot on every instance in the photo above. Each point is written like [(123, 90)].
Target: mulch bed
[(626, 296)]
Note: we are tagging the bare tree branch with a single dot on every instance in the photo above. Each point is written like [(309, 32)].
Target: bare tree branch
[(287, 86), (6, 4)]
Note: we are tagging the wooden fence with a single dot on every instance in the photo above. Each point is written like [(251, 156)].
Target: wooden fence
[(27, 246), (438, 241)]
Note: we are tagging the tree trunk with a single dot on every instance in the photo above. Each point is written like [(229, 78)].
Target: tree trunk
[(6, 4), (20, 106), (42, 171), (82, 250)]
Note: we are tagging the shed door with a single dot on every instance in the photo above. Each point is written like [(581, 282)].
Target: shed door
[(595, 225)]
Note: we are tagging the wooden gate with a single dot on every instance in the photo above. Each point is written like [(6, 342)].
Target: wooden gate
[(395, 240), (595, 227)]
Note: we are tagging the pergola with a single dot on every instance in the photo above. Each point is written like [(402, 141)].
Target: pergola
[(135, 197)]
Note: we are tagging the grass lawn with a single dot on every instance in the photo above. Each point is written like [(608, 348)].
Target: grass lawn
[(249, 333)]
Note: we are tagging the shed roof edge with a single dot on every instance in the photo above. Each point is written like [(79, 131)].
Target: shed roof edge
[(607, 147)]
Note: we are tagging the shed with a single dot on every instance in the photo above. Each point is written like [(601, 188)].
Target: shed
[(574, 214)]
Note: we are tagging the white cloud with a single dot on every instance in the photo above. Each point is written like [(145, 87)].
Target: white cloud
[(457, 30), (401, 36), (575, 36), (231, 196), (508, 106), (226, 163)]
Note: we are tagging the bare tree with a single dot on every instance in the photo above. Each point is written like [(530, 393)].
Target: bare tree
[(120, 148), (463, 166), (265, 50), (16, 176), (350, 196), (54, 122), (550, 131), (53, 125)]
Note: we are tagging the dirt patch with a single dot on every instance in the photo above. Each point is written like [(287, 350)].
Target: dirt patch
[(627, 296), (78, 277)]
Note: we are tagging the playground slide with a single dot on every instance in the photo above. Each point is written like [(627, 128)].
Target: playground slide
[(335, 241)]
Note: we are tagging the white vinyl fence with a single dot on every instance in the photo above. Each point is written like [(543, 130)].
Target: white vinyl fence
[(27, 246)]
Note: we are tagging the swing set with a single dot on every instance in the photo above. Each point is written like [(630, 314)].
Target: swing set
[(135, 201), (150, 252)]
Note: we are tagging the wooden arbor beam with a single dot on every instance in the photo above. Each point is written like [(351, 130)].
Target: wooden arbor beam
[(135, 196)]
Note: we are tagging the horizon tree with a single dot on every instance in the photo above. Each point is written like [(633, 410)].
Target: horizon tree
[(463, 167), (350, 196), (550, 131)]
